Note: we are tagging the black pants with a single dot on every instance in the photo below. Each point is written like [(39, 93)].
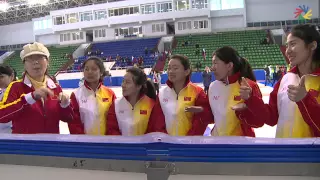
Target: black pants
[(206, 89), (156, 85), (268, 80)]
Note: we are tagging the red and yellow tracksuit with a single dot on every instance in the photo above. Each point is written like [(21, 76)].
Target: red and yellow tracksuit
[(125, 119), (90, 109), (293, 119), (171, 107), (222, 97), (29, 116)]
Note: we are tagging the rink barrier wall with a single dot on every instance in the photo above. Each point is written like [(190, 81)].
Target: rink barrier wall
[(196, 77), (183, 155)]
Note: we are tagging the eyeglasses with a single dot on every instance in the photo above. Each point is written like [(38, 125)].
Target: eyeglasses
[(34, 59)]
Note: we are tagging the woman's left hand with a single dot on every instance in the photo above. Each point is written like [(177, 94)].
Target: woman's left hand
[(194, 109), (64, 99)]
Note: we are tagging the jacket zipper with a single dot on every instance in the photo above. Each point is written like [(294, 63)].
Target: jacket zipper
[(177, 128)]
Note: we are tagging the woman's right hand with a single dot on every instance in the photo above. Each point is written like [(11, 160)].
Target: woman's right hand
[(245, 89), (42, 93)]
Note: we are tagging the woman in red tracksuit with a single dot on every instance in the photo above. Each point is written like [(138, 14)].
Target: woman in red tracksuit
[(36, 104), (294, 103), (234, 77), (134, 113), (177, 101)]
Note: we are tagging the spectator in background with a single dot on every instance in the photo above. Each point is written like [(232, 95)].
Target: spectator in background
[(267, 73), (206, 76), (198, 66), (98, 52), (146, 51), (156, 80), (140, 62)]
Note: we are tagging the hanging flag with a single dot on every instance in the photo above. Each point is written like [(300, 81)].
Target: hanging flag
[(204, 55)]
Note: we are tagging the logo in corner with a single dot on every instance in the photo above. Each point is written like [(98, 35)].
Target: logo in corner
[(303, 13)]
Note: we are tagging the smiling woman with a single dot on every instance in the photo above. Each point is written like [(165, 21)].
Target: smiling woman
[(91, 101), (134, 113), (36, 104), (294, 103), (179, 98)]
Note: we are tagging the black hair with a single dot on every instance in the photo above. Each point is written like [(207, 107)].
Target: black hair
[(98, 61), (227, 54), (6, 70), (308, 33), (140, 78), (184, 60)]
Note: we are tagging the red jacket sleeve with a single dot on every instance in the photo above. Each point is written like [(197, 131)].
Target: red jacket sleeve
[(112, 122), (248, 116), (13, 103), (157, 120), (10, 110), (201, 120), (75, 126), (310, 108), (267, 112)]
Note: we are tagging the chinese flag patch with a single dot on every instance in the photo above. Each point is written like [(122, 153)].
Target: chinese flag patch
[(237, 98), (187, 98), (314, 93), (105, 99), (144, 112)]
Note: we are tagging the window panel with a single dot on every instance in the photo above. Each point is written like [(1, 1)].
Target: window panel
[(162, 28), (205, 24), (116, 12), (179, 25), (116, 32), (61, 37), (126, 11), (140, 30), (182, 5), (136, 10), (196, 24), (189, 25), (100, 14), (72, 18), (232, 4), (81, 35), (153, 28)]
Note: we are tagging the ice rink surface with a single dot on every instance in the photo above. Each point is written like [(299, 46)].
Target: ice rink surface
[(265, 131)]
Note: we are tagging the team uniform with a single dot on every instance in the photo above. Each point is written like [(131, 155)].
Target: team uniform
[(5, 127), (181, 123), (90, 109), (29, 116), (127, 120), (222, 97), (293, 119)]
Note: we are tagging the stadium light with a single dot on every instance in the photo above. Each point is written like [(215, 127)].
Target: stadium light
[(35, 2), (4, 6)]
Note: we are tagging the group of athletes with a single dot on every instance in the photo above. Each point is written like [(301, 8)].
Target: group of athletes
[(35, 104)]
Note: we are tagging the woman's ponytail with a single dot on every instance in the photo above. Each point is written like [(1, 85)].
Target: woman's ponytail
[(246, 70), (150, 90)]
